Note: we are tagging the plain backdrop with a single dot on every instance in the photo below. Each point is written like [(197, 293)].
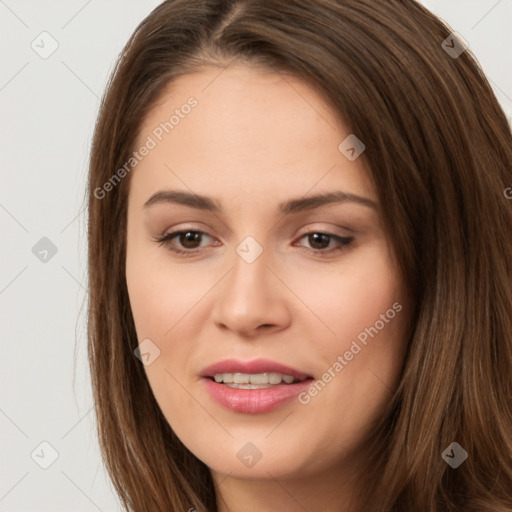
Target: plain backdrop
[(48, 109)]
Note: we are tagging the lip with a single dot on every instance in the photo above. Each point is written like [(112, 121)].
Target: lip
[(253, 401), (255, 366)]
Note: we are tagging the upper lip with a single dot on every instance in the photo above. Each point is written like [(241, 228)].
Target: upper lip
[(254, 366)]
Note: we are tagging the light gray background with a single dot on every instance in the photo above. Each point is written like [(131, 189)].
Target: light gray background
[(48, 110)]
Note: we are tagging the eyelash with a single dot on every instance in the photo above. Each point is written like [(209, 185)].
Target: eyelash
[(345, 242)]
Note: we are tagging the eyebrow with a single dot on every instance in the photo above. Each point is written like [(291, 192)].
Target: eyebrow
[(291, 206)]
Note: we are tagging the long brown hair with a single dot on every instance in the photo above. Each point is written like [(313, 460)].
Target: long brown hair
[(439, 151)]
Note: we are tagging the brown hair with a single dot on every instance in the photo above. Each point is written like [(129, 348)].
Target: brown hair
[(439, 150)]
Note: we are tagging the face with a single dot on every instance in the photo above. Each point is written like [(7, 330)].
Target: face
[(261, 276)]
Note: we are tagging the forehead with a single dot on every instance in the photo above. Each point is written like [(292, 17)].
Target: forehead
[(249, 127)]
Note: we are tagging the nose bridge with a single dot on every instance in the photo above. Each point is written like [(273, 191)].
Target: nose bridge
[(248, 297), (249, 277)]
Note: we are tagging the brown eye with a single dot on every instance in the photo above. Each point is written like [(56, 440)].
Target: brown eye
[(319, 242), (189, 241)]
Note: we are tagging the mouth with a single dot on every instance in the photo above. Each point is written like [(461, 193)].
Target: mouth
[(255, 380), (258, 372), (253, 386)]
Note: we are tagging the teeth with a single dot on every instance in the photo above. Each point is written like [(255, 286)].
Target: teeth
[(275, 378), (224, 377), (259, 380), (241, 378)]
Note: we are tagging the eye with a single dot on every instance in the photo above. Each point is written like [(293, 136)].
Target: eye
[(190, 241), (188, 238), (319, 241)]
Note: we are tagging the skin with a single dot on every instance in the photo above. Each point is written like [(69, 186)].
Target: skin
[(255, 139)]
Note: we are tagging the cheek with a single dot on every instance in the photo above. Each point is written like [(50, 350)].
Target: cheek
[(148, 302), (160, 302), (160, 293), (363, 305), (350, 299)]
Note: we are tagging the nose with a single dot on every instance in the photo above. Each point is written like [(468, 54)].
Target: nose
[(251, 299)]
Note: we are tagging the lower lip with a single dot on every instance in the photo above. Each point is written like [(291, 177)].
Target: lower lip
[(254, 401)]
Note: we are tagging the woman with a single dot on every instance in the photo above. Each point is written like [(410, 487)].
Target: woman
[(300, 263)]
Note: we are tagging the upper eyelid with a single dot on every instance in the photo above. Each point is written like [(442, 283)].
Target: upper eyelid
[(342, 243), (176, 232), (309, 229)]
